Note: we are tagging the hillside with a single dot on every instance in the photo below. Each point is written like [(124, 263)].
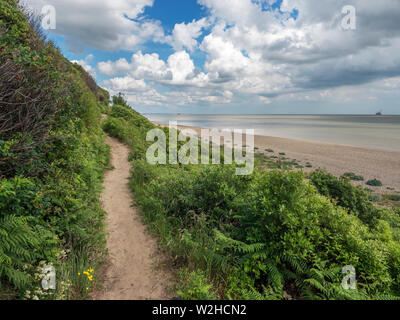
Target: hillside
[(52, 157), (276, 234)]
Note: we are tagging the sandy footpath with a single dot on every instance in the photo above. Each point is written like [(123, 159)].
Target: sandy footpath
[(337, 159), (134, 259)]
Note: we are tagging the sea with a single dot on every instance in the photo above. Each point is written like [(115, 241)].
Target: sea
[(367, 131)]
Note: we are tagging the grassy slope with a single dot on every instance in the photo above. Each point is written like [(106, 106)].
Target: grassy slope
[(271, 235), (52, 157)]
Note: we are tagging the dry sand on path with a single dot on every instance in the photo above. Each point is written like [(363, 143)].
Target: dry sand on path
[(134, 271)]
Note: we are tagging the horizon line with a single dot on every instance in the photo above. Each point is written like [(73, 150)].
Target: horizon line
[(271, 114)]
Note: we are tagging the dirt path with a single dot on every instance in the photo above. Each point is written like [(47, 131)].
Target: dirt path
[(132, 273)]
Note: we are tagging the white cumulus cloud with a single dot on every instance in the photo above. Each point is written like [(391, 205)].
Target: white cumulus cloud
[(104, 24)]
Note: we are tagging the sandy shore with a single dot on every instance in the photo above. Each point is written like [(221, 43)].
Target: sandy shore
[(337, 159)]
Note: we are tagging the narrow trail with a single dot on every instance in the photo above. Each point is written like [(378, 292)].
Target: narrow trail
[(134, 257)]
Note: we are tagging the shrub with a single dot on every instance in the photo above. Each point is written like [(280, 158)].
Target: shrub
[(374, 183), (391, 197), (353, 198), (122, 112), (28, 113), (373, 197), (20, 197), (276, 252), (353, 176), (195, 286)]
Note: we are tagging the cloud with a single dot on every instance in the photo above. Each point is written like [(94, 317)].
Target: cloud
[(126, 84), (149, 67), (110, 68), (252, 44), (179, 68), (246, 13), (256, 51), (224, 58), (142, 66), (103, 24), (184, 36), (178, 71)]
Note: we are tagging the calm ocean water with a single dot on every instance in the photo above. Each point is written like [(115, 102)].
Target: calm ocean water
[(377, 132)]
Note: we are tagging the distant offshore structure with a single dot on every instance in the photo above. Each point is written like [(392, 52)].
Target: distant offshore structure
[(379, 113)]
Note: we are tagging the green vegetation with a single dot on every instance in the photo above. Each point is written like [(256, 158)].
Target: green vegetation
[(374, 183), (373, 197), (195, 286), (270, 235), (352, 176), (52, 157), (347, 196), (391, 197)]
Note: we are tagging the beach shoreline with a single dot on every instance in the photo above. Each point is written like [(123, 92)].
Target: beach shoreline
[(383, 165)]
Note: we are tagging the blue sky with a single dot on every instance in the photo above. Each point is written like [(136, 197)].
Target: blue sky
[(175, 11), (237, 56)]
